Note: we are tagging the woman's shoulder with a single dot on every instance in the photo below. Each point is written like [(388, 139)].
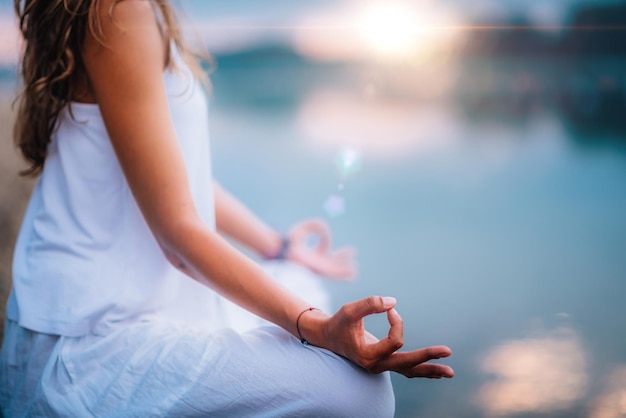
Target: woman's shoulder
[(124, 48), (123, 27), (121, 9), (115, 27)]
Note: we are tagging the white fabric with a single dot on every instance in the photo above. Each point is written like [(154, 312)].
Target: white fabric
[(85, 260), (170, 369), (163, 369)]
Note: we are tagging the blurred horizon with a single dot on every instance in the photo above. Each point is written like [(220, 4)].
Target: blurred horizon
[(566, 56), (227, 27)]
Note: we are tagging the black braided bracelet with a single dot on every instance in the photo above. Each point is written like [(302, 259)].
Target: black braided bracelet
[(284, 249), (282, 252), (302, 340)]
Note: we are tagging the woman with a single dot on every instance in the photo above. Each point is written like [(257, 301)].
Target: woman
[(118, 271)]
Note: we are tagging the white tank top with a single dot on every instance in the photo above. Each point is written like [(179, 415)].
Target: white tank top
[(85, 260)]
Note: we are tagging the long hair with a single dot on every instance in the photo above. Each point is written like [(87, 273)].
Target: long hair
[(53, 33)]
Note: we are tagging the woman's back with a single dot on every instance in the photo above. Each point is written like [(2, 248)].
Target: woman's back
[(85, 260)]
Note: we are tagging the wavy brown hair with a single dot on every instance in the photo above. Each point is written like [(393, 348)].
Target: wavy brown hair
[(52, 69)]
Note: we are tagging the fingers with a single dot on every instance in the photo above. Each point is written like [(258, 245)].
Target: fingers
[(377, 356), (413, 358), (379, 350), (396, 329), (300, 232), (382, 349), (355, 311), (346, 254), (322, 230), (340, 264), (370, 354), (408, 361), (428, 370)]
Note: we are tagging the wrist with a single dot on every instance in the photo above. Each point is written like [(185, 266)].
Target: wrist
[(311, 327), (279, 248)]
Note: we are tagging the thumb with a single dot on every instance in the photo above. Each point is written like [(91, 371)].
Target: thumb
[(370, 305)]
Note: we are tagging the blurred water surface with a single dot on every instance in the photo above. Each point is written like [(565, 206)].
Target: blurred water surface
[(502, 232)]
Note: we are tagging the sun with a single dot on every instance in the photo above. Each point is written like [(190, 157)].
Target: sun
[(390, 28)]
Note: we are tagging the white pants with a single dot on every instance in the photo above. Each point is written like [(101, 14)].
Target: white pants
[(157, 368)]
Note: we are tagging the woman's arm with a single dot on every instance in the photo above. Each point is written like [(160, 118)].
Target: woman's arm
[(238, 222), (127, 77)]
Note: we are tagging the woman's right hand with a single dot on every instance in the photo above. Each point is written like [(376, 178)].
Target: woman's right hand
[(320, 258), (345, 334)]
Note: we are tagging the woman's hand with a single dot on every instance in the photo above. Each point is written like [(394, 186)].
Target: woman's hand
[(344, 334), (319, 257)]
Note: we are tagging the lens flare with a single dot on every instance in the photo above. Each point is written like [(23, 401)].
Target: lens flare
[(335, 205), (348, 162)]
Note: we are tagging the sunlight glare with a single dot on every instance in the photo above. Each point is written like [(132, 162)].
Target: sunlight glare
[(390, 29), (542, 374), (611, 403)]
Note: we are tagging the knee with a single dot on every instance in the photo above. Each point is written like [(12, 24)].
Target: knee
[(367, 395), (376, 397)]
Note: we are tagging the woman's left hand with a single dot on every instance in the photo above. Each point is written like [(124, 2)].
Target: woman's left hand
[(318, 255), (344, 334)]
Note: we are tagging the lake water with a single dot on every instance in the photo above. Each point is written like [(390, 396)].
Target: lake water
[(502, 237)]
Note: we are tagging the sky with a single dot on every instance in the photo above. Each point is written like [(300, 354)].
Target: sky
[(277, 11), (328, 29), (285, 9)]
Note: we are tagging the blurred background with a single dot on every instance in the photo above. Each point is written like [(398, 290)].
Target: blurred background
[(473, 151)]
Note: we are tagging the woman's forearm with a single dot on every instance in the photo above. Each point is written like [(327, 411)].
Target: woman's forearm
[(235, 220), (212, 261)]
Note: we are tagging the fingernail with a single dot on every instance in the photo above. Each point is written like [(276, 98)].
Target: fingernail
[(389, 301)]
